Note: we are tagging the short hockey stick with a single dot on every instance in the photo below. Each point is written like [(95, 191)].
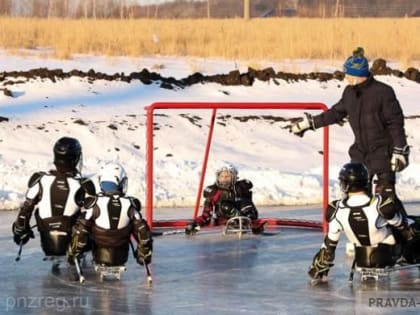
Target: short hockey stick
[(78, 269), (169, 232), (20, 251), (21, 246), (353, 267), (146, 266)]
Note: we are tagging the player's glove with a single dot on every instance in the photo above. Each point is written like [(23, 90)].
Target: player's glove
[(21, 234), (191, 228), (78, 243), (320, 265), (301, 125), (144, 252), (399, 159)]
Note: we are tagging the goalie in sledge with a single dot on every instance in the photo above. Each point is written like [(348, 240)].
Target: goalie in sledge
[(228, 201), (383, 236)]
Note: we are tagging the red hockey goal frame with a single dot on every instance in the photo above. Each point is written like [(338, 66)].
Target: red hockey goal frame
[(214, 107)]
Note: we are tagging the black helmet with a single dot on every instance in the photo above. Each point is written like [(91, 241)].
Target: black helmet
[(354, 177), (67, 154)]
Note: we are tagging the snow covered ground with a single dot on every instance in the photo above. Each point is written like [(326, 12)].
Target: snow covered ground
[(109, 120)]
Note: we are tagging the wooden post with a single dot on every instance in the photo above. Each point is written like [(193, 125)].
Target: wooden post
[(247, 9)]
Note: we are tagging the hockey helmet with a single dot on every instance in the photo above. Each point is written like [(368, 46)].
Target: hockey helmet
[(113, 179), (226, 176), (354, 177), (68, 154)]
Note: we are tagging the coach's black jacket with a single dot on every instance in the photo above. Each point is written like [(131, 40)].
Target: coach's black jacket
[(376, 118)]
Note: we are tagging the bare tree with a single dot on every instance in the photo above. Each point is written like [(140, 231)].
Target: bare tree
[(5, 7), (85, 8), (208, 9), (66, 8), (111, 7), (50, 8), (337, 6), (156, 11), (122, 9), (94, 9)]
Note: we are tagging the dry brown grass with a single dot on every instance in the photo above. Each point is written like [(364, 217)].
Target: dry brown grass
[(273, 39)]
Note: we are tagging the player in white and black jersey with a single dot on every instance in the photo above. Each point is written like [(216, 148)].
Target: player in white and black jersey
[(56, 198), (110, 220), (375, 224)]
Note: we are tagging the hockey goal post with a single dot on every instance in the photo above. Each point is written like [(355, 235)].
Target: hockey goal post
[(149, 176)]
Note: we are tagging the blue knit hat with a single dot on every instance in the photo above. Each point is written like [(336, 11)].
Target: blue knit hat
[(357, 65)]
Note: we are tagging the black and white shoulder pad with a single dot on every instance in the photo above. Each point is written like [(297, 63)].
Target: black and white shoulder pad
[(244, 184), (35, 178), (332, 210), (88, 186), (135, 203), (209, 191), (387, 207)]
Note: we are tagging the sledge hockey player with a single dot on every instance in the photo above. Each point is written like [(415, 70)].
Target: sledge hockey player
[(376, 119), (374, 224), (109, 221), (56, 196), (228, 197)]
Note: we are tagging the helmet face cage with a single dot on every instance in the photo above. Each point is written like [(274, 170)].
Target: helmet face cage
[(68, 155), (113, 179), (354, 177), (233, 173)]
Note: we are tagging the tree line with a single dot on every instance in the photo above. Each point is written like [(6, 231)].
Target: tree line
[(104, 9)]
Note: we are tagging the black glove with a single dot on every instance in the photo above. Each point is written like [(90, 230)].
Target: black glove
[(301, 125), (411, 251), (21, 234), (77, 244), (191, 228), (408, 232), (411, 246), (399, 159), (320, 265), (144, 252)]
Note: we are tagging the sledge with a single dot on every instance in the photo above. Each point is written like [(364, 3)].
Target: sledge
[(377, 273), (109, 271), (238, 225), (375, 262)]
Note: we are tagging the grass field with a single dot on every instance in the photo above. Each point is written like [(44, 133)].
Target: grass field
[(272, 39)]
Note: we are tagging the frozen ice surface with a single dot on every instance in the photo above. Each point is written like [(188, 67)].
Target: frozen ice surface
[(206, 274)]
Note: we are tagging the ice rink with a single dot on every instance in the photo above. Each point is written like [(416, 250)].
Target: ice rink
[(207, 274)]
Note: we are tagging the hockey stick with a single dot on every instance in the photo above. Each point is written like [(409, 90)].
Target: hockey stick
[(353, 267), (170, 232), (402, 267), (148, 273), (78, 269), (146, 266), (19, 251), (21, 246)]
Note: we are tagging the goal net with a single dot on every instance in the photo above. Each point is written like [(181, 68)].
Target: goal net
[(187, 142)]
